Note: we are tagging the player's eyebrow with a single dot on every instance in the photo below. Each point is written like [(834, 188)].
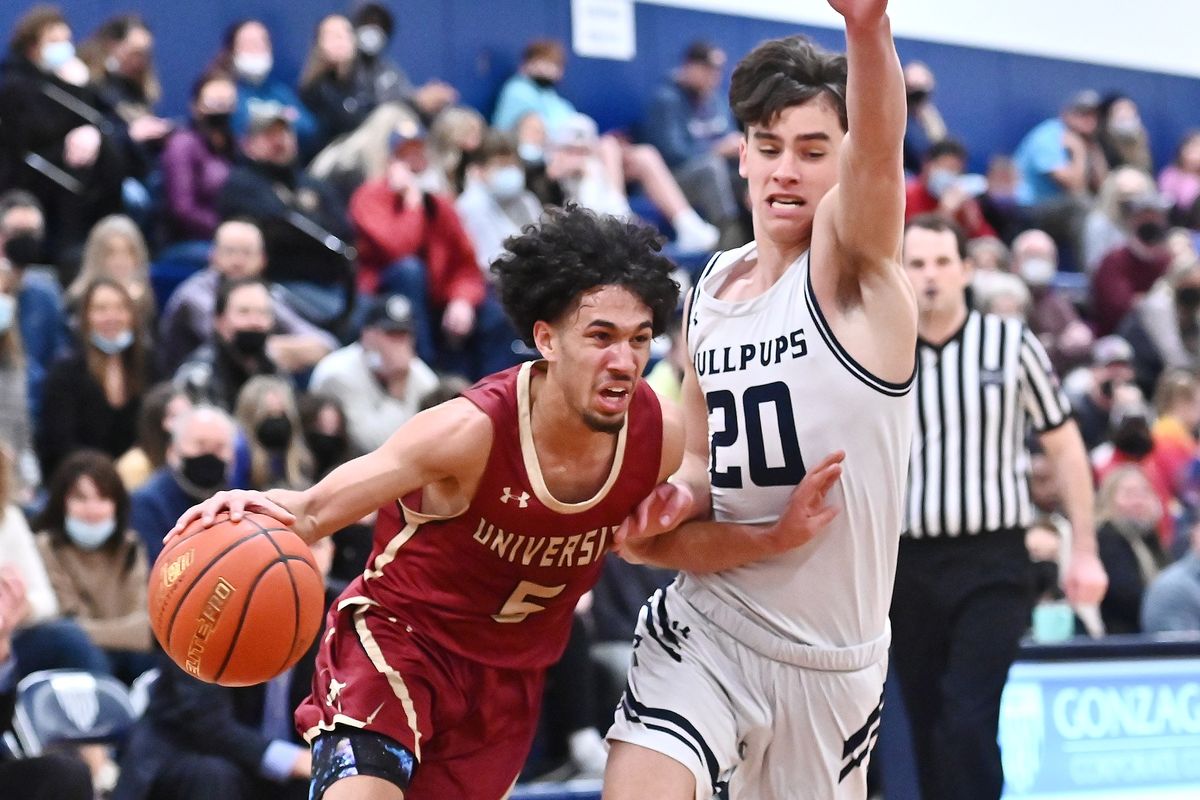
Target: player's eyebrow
[(603, 323), (815, 136)]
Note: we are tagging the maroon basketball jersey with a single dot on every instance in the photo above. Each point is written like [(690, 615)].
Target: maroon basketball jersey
[(498, 583)]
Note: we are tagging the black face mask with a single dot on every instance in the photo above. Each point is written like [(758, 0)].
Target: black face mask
[(205, 472), (327, 448), (274, 433), (1133, 439), (1106, 388), (1150, 232), (1188, 296), (217, 122), (544, 82), (250, 343), (915, 98), (24, 248)]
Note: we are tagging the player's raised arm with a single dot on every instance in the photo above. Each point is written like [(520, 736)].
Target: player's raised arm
[(449, 442), (868, 204)]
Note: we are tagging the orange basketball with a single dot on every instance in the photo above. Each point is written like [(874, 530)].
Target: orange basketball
[(236, 603)]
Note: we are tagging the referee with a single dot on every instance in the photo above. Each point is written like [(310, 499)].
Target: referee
[(963, 594)]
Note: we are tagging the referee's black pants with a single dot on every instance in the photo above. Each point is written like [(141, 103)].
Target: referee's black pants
[(959, 610)]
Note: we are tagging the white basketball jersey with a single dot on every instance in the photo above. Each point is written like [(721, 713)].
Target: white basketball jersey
[(782, 394)]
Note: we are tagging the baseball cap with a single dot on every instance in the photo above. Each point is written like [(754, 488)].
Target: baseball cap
[(407, 130), (707, 53), (391, 314), (262, 114), (1085, 100), (1111, 350), (577, 130)]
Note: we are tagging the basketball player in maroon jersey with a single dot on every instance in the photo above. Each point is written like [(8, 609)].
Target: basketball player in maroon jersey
[(509, 497)]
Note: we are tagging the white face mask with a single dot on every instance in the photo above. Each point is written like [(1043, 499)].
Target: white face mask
[(374, 360), (55, 54), (1038, 272), (89, 535), (371, 39), (254, 67), (507, 182), (8, 311)]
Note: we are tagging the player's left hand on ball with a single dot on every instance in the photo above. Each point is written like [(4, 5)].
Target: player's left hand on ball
[(663, 510), (1086, 581), (807, 514)]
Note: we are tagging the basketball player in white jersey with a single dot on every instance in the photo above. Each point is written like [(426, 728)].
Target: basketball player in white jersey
[(759, 672)]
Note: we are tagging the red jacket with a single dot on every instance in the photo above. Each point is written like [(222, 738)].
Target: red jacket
[(432, 231)]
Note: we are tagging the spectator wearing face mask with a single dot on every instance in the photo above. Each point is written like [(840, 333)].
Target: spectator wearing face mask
[(248, 55), (1132, 443), (1121, 134), (495, 203), (237, 350), (279, 457), (1112, 368), (199, 464), (197, 159), (323, 421), (1052, 315), (384, 79), (943, 189), (95, 393), (1129, 516), (57, 140), (96, 563), (1126, 274), (925, 124), (379, 380), (534, 87), (1105, 228)]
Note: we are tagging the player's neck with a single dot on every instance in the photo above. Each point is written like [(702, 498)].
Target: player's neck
[(774, 257), (937, 328)]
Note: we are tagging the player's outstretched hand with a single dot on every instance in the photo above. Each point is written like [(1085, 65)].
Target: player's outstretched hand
[(1086, 581), (664, 509), (274, 503), (807, 514), (858, 11)]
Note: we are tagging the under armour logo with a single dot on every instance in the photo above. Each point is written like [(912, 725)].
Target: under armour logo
[(522, 498)]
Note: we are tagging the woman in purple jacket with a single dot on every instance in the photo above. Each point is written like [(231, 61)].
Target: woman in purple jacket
[(196, 160)]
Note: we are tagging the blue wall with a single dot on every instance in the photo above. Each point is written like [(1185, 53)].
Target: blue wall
[(988, 98)]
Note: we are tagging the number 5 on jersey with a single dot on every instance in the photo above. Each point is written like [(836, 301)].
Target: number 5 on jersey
[(777, 394), (518, 606)]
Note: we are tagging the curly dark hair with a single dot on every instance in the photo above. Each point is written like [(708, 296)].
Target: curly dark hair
[(549, 266), (781, 73)]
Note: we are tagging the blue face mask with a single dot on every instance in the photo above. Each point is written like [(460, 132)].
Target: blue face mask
[(530, 153), (89, 535), (507, 182), (8, 312), (111, 346), (55, 54)]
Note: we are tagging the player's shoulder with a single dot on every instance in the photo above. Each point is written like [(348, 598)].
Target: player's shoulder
[(456, 429)]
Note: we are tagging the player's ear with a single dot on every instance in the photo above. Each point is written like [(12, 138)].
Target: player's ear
[(742, 154), (544, 339)]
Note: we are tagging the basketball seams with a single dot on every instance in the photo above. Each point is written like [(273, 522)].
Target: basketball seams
[(237, 632), (295, 600), (212, 562)]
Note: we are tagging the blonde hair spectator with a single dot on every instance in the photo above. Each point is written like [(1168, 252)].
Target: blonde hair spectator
[(266, 398)]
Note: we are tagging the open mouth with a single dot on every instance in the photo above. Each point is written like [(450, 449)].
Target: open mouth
[(785, 201), (614, 398)]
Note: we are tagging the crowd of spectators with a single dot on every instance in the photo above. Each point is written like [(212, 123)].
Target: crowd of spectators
[(337, 228)]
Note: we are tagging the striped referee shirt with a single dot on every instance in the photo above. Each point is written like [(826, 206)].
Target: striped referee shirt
[(978, 394)]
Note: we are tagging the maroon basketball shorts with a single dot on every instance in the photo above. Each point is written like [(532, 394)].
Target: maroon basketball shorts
[(469, 725)]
